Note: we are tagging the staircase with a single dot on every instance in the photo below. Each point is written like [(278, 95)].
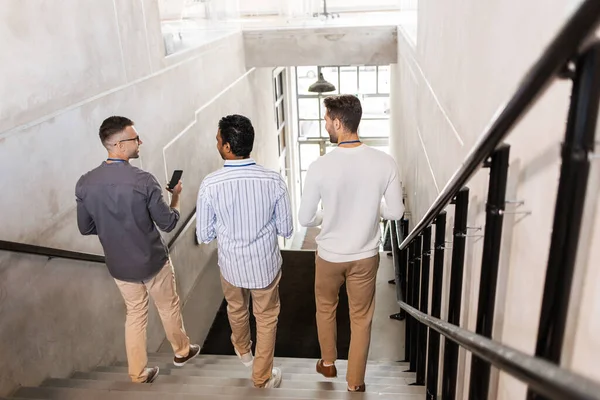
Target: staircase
[(225, 378)]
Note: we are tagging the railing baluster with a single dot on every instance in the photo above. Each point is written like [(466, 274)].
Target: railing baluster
[(480, 370), (416, 277), (409, 291), (404, 271), (436, 306), (456, 280), (424, 298), (399, 262), (570, 201)]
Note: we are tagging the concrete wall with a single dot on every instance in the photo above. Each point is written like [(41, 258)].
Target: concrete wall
[(347, 45), (58, 82), (469, 58)]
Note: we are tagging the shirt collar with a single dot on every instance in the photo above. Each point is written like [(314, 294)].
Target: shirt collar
[(240, 163)]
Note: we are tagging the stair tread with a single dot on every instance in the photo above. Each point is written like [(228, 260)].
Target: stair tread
[(235, 373), (160, 386), (96, 394), (211, 371), (218, 380), (169, 357), (228, 363)]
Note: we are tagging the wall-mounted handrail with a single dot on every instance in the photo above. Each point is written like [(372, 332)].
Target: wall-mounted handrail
[(75, 255), (184, 227), (544, 377), (49, 252), (569, 41)]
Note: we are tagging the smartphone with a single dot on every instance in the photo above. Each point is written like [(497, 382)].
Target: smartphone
[(175, 178)]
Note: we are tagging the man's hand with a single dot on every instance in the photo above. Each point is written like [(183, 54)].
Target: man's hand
[(177, 189)]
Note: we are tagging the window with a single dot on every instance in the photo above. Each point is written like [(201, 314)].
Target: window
[(278, 88)]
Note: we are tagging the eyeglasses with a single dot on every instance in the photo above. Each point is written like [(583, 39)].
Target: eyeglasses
[(137, 139)]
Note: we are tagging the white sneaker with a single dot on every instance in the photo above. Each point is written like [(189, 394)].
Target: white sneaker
[(246, 359), (275, 379)]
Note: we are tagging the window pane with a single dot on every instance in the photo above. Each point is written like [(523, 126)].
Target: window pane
[(281, 114), (309, 152), (376, 107), (306, 76), (374, 128), (384, 79), (308, 108), (323, 130), (368, 79), (348, 80), (331, 75), (309, 129), (282, 141), (280, 85)]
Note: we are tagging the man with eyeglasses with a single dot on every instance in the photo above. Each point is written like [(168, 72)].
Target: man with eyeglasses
[(124, 205)]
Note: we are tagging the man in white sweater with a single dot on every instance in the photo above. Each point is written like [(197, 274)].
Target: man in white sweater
[(350, 182)]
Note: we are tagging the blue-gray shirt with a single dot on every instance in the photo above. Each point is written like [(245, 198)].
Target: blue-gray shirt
[(123, 205)]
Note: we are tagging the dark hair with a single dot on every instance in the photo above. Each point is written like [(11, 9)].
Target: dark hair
[(237, 130), (113, 125), (346, 108)]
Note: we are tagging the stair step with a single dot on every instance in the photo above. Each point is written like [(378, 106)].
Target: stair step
[(291, 374), (235, 363), (338, 390), (270, 394), (168, 358), (217, 370), (244, 381)]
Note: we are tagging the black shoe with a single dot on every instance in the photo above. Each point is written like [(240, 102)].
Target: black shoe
[(152, 374), (181, 361)]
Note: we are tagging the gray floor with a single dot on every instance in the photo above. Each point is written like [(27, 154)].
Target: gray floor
[(387, 337)]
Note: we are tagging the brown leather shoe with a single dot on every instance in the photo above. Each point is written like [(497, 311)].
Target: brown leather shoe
[(193, 353), (327, 372), (360, 388)]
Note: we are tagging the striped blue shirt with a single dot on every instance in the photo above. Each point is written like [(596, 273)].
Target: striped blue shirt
[(245, 206)]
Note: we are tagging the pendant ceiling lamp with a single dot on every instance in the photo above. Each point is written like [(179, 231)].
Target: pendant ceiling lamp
[(321, 85)]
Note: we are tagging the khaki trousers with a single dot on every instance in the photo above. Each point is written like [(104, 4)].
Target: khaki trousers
[(163, 292), (360, 277), (265, 305)]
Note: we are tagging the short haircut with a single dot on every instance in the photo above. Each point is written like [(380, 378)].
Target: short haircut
[(237, 130), (345, 108), (113, 125)]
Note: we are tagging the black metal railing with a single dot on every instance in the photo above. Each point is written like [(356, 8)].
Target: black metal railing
[(574, 55), (51, 252)]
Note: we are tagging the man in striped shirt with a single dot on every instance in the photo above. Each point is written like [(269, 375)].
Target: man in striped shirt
[(246, 207)]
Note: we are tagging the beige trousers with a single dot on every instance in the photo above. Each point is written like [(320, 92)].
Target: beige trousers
[(265, 305), (360, 277), (162, 289)]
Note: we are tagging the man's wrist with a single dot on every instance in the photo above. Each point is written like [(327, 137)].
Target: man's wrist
[(175, 201)]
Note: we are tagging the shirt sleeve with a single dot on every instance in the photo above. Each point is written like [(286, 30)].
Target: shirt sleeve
[(162, 214), (85, 222), (206, 218), (392, 206), (309, 214), (283, 212)]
